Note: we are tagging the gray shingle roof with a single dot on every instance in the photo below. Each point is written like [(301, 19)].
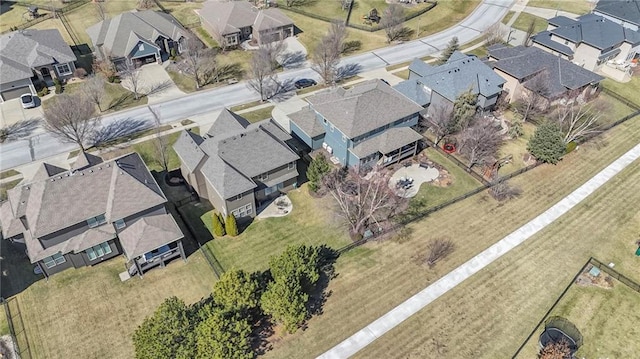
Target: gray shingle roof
[(149, 233), (47, 170), (596, 31), (20, 51), (270, 19), (627, 10), (363, 108), (522, 62), (230, 17), (227, 122), (187, 147), (544, 38), (420, 67), (388, 141), (306, 120), (415, 90), (120, 34), (561, 21)]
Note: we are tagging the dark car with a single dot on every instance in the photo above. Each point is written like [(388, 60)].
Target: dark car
[(300, 84)]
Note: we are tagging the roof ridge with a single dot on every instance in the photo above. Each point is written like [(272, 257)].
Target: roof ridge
[(111, 195)]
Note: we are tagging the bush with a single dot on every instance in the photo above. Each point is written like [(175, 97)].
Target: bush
[(43, 92), (58, 85), (218, 226), (351, 46), (80, 73), (230, 225), (571, 146), (547, 143)]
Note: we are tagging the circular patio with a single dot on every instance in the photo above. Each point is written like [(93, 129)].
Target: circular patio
[(407, 180)]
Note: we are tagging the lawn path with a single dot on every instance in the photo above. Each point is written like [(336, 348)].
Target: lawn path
[(393, 318)]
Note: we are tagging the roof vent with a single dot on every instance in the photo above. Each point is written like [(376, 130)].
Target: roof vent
[(59, 177), (90, 171), (108, 165), (52, 180), (99, 168)]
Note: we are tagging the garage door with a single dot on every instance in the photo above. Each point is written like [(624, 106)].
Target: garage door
[(15, 93)]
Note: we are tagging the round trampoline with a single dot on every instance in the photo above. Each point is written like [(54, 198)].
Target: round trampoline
[(555, 335), (557, 329)]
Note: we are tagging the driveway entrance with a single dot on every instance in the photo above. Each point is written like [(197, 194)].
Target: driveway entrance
[(154, 81)]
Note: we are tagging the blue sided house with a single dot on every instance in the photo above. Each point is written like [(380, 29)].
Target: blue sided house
[(364, 126)]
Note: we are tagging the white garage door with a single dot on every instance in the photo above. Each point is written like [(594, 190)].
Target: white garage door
[(15, 93)]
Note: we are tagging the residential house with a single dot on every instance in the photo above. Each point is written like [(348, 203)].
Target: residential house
[(364, 126), (138, 37), (517, 65), (238, 165), (589, 41), (32, 55), (624, 12), (238, 21), (94, 211), (433, 86)]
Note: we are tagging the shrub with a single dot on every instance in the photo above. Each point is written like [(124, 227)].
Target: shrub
[(571, 146), (351, 46), (43, 92), (218, 227), (547, 143), (516, 129), (58, 85), (231, 226), (80, 73)]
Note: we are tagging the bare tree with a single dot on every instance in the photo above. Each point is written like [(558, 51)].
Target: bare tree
[(579, 121), (200, 63), (530, 30), (393, 22), (480, 141), (93, 88), (161, 145), (438, 249), (145, 4), (501, 190), (362, 202), (344, 4), (439, 121), (263, 78), (495, 34), (326, 57), (106, 67), (556, 350), (71, 118), (534, 98), (131, 74)]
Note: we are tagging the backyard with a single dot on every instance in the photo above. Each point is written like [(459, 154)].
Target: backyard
[(602, 315), (575, 6)]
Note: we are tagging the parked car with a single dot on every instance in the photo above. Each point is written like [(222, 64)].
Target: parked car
[(28, 100), (302, 83)]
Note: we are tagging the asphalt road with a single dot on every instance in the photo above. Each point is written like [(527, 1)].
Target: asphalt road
[(42, 144)]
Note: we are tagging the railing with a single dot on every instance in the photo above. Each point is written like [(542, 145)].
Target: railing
[(160, 258), (16, 328)]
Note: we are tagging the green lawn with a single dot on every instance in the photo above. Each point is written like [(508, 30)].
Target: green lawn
[(603, 316), (516, 148), (403, 74), (311, 222), (8, 173), (333, 9), (628, 90), (575, 6), (4, 325), (116, 97), (5, 186), (524, 20), (259, 114), (508, 17)]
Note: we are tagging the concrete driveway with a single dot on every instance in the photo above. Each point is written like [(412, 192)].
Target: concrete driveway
[(294, 56), (12, 112), (154, 81)]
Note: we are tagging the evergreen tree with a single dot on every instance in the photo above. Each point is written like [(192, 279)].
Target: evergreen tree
[(231, 226), (452, 47), (286, 302), (218, 227), (463, 111), (318, 168), (547, 143), (237, 291), (223, 336)]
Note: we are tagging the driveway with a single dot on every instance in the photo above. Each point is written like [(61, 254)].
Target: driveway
[(295, 54), (154, 81), (11, 112)]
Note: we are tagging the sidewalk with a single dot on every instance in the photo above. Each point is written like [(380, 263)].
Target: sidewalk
[(411, 306)]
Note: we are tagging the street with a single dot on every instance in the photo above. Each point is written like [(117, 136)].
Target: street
[(42, 144)]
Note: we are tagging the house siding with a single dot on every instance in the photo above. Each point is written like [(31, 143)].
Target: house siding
[(215, 199), (247, 198), (287, 184), (512, 86), (58, 268), (587, 57), (148, 49), (333, 138)]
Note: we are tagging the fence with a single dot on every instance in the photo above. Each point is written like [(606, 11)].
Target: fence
[(455, 160), (615, 274), (625, 101), (16, 328), (53, 13)]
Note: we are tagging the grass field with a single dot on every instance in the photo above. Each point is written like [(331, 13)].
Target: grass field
[(489, 315), (575, 6), (524, 20), (259, 114), (603, 316), (4, 325), (5, 186), (628, 90), (333, 9), (116, 97)]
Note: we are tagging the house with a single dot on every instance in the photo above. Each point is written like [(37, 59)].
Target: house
[(92, 212), (623, 12), (238, 165), (238, 21), (364, 126), (432, 86), (589, 41), (517, 65), (138, 37), (32, 55)]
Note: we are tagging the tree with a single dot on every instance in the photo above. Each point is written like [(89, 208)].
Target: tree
[(361, 201), (326, 56), (161, 143), (393, 22), (168, 333), (131, 74), (223, 336), (547, 143), (452, 47), (533, 100), (262, 73), (106, 67), (237, 291), (71, 118), (218, 227), (230, 225), (438, 249), (285, 301), (494, 34), (318, 168), (145, 4), (300, 262), (530, 31), (93, 88), (464, 109), (480, 141), (579, 121), (556, 350), (200, 62), (439, 121)]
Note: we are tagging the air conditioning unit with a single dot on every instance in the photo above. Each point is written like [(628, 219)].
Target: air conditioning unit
[(329, 149), (324, 145)]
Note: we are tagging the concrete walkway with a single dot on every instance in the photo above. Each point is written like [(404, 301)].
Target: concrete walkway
[(411, 306)]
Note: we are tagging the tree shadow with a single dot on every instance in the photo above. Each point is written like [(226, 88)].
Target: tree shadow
[(16, 271), (84, 57), (405, 34), (292, 60), (117, 129), (229, 71), (19, 129), (281, 90), (347, 71), (319, 295), (159, 87)]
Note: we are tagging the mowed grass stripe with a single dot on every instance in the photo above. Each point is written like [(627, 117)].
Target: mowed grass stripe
[(491, 314), (364, 291)]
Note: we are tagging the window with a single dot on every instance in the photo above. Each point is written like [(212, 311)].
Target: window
[(96, 221), (54, 260), (63, 69), (269, 190), (98, 251), (141, 47), (291, 165), (243, 211), (263, 176), (235, 198), (120, 224), (344, 138)]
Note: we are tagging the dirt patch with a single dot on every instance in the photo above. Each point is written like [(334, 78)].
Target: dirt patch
[(6, 348), (602, 280)]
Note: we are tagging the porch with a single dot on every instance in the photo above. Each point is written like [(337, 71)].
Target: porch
[(392, 146), (156, 258)]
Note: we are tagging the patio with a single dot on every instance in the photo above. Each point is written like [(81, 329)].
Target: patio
[(407, 180), (279, 207)]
